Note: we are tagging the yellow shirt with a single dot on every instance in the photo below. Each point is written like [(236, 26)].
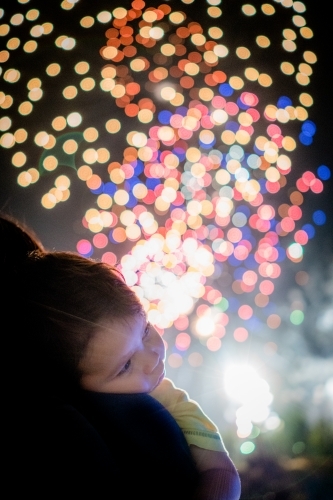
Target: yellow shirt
[(198, 429)]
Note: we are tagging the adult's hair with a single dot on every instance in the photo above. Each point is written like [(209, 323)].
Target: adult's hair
[(66, 299), (17, 241)]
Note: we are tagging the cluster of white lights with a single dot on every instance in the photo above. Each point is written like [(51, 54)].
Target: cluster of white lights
[(246, 387)]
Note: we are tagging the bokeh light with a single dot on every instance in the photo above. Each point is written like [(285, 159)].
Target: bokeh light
[(190, 154)]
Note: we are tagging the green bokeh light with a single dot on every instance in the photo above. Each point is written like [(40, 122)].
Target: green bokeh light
[(298, 447), (247, 447), (297, 317), (223, 304)]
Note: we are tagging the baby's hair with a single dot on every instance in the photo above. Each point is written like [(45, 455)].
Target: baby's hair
[(69, 297), (54, 303)]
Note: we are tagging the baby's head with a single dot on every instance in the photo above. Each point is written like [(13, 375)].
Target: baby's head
[(86, 327)]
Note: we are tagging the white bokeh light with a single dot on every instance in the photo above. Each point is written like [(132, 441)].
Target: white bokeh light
[(244, 386)]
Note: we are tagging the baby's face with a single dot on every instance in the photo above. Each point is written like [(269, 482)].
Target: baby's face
[(124, 357)]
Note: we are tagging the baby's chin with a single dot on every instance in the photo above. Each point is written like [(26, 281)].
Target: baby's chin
[(158, 382)]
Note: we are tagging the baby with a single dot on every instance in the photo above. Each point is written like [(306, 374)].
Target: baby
[(93, 333), (128, 357)]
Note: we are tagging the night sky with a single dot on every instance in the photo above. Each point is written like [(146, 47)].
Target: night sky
[(273, 331), (25, 203)]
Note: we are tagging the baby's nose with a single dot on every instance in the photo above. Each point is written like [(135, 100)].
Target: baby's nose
[(156, 344), (151, 361)]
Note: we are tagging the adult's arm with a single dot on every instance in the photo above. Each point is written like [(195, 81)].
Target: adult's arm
[(218, 477)]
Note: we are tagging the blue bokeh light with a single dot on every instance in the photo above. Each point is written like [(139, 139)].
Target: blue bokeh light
[(319, 217), (323, 172)]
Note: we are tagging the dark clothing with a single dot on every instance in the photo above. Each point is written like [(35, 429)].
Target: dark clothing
[(101, 445)]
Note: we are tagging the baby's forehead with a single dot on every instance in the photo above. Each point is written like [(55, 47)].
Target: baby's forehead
[(130, 318), (126, 319), (114, 336)]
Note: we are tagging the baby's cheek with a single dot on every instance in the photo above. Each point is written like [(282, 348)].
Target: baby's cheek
[(163, 348)]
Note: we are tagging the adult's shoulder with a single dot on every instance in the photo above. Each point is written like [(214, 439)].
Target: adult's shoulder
[(146, 439), (52, 448), (96, 444)]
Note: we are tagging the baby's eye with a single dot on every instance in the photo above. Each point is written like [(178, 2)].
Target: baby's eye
[(125, 368)]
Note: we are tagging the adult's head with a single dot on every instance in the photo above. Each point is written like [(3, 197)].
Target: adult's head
[(17, 241)]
